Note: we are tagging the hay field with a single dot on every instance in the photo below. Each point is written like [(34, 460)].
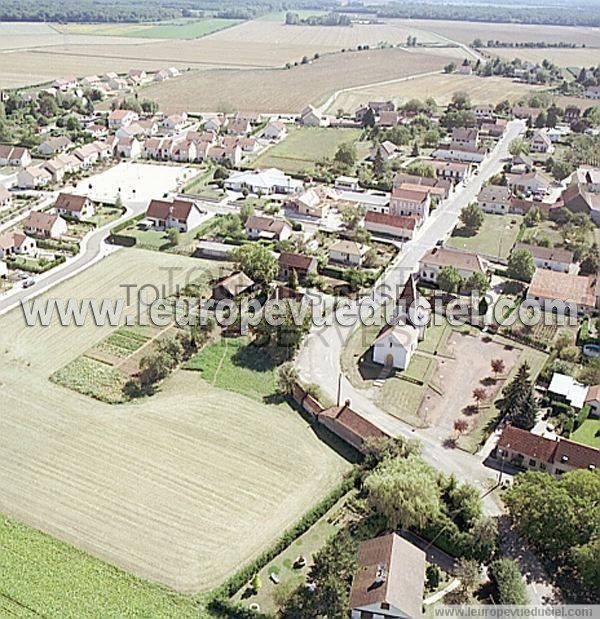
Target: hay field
[(465, 32), (583, 57), (278, 90), (440, 87), (181, 488)]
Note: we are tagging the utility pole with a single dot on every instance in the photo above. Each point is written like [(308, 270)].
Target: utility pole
[(339, 389)]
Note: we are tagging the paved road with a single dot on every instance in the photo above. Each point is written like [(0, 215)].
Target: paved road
[(319, 358)]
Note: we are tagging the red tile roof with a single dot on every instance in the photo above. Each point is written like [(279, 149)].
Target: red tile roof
[(353, 422), (396, 221), (162, 209)]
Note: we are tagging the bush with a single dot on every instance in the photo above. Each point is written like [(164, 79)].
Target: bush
[(509, 583), (584, 413)]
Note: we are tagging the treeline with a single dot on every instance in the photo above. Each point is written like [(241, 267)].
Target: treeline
[(134, 11), (543, 73), (525, 44), (331, 19), (554, 15)]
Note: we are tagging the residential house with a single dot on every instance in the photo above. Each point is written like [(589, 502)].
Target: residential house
[(271, 228), (347, 183), (563, 293), (52, 146), (226, 154), (121, 118), (407, 202), (239, 126), (465, 262), (138, 74), (14, 156), (232, 286), (96, 130), (592, 92), (572, 114), (389, 119), (495, 199), (578, 199), (349, 425), (540, 142), (465, 137), (129, 147), (529, 183), (568, 390), (311, 117), (265, 182), (521, 164), (484, 111), (16, 243), (56, 168), (314, 202), (347, 252), (463, 154), (5, 197), (302, 265), (65, 83), (185, 151), (275, 130), (592, 399), (389, 580), (386, 150), (88, 155), (175, 122), (588, 177), (526, 113), (494, 129), (538, 453), (553, 258), (77, 207), (183, 215), (161, 76), (33, 178), (397, 226), (45, 225), (247, 144), (442, 186), (214, 123)]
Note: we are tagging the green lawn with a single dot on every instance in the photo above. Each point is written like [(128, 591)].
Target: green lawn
[(44, 577), (304, 147), (158, 240), (495, 238), (588, 433), (236, 365), (543, 230), (104, 215)]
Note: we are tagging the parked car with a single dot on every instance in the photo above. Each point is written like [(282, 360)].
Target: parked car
[(27, 283)]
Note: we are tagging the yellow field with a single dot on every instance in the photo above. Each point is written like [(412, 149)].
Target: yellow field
[(440, 87), (279, 90), (583, 57), (182, 488), (465, 32)]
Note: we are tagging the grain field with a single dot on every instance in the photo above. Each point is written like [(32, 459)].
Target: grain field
[(181, 488)]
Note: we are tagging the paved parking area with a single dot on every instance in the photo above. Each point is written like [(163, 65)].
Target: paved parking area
[(133, 182)]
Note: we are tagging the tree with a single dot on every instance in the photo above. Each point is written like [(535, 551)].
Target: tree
[(467, 571), (246, 210), (517, 147), (461, 100), (498, 367), (449, 279), (257, 262), (479, 395), (477, 282), (415, 150), (369, 119), (421, 168), (518, 404), (461, 426), (287, 378), (293, 280), (590, 265), (256, 583), (173, 236), (404, 491), (471, 217), (433, 576), (153, 368), (346, 154), (507, 578), (532, 217), (450, 67), (379, 165), (377, 450), (521, 265)]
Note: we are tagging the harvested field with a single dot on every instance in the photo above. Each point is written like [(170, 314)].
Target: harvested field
[(585, 57), (440, 87), (279, 90), (465, 32), (181, 488)]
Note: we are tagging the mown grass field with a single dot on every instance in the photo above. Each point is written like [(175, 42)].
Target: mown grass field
[(181, 488), (181, 29), (44, 577), (588, 433), (304, 147), (495, 238), (235, 365)]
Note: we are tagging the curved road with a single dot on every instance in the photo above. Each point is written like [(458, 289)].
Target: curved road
[(319, 358)]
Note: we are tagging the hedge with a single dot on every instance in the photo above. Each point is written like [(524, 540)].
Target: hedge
[(584, 413), (57, 245), (31, 268), (242, 576), (127, 223)]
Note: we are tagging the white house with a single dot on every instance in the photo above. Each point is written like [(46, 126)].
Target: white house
[(347, 183), (5, 197), (270, 228), (347, 252), (52, 146), (275, 130), (495, 199), (563, 294), (465, 262), (567, 387), (88, 155), (183, 215), (410, 202), (121, 118), (33, 177), (541, 142), (311, 117), (12, 243), (77, 207), (553, 258), (14, 156), (129, 147), (45, 225), (265, 182), (397, 226)]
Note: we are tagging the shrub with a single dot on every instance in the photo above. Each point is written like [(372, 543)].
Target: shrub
[(509, 583)]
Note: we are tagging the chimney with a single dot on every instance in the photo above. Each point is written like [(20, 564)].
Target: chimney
[(347, 403)]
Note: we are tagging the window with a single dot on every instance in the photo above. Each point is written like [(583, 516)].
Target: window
[(531, 462)]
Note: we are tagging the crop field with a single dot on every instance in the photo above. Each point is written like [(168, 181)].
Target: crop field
[(280, 90), (440, 87), (582, 57), (466, 32), (181, 488), (182, 29), (304, 147)]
